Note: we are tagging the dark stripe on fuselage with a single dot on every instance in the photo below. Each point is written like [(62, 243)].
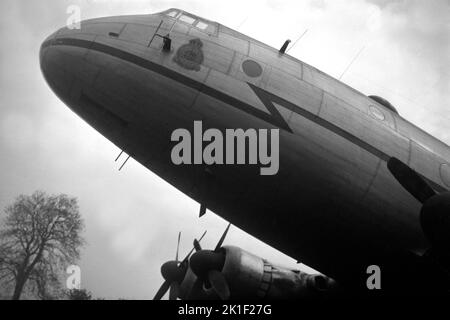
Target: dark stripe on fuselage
[(189, 82), (266, 97), (269, 99)]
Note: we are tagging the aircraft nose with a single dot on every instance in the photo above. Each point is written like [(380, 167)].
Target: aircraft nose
[(64, 66), (45, 64), (55, 67)]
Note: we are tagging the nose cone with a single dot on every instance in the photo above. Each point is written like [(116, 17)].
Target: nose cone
[(43, 53), (55, 67), (64, 65), (204, 261)]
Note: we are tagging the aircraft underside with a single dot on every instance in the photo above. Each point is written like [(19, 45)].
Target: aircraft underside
[(327, 206)]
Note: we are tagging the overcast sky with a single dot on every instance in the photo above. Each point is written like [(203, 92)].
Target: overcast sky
[(133, 217)]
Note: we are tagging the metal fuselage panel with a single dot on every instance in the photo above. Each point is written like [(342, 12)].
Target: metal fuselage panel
[(333, 201)]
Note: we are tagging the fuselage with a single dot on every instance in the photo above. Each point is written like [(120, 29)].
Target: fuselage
[(333, 204)]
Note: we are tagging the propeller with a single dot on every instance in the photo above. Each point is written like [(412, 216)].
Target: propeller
[(435, 211), (173, 273), (207, 266), (410, 180)]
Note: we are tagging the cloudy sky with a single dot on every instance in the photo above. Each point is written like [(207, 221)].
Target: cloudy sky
[(133, 217)]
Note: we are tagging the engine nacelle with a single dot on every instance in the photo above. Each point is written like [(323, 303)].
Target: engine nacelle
[(251, 277)]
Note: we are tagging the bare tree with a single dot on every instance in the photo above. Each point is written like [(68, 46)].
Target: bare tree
[(40, 236)]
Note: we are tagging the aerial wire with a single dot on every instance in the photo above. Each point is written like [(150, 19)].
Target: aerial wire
[(351, 63)]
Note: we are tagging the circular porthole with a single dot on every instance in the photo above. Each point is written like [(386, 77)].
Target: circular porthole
[(376, 113), (252, 68), (445, 174)]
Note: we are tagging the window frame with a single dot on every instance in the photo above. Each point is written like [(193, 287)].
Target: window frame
[(194, 19), (177, 14)]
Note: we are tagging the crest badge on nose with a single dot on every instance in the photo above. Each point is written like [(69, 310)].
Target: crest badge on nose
[(190, 56)]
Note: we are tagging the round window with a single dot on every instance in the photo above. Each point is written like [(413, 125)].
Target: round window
[(252, 68), (376, 113)]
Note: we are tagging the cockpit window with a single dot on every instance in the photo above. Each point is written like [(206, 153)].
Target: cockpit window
[(187, 19), (201, 25), (194, 21), (172, 13)]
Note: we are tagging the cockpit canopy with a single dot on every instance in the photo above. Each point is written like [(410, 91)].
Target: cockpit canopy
[(192, 20)]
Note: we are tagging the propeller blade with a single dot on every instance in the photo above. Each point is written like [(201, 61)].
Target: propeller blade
[(178, 246), (219, 244), (174, 291), (162, 290), (197, 245), (192, 250), (410, 180), (219, 284)]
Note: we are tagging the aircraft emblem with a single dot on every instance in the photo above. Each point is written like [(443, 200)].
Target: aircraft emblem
[(190, 56)]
